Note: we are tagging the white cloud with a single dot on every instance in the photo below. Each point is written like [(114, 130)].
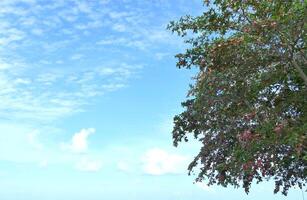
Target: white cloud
[(88, 165), (40, 99), (161, 56), (41, 93), (83, 6), (11, 35), (34, 71), (4, 65), (112, 87), (158, 162), (118, 15), (22, 81), (77, 56), (37, 31), (48, 78), (79, 143), (123, 41)]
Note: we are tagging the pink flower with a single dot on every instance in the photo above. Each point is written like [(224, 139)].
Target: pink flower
[(246, 135), (278, 129)]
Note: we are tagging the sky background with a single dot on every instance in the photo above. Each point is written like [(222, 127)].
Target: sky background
[(88, 90)]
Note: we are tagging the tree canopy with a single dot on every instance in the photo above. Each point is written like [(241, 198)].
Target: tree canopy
[(248, 103)]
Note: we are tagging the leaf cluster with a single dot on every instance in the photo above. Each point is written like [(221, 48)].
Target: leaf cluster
[(248, 105)]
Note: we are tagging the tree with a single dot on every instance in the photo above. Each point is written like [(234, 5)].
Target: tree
[(248, 104)]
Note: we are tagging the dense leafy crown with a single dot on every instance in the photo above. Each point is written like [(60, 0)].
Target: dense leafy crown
[(248, 105)]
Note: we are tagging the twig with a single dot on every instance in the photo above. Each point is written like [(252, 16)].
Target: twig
[(300, 71)]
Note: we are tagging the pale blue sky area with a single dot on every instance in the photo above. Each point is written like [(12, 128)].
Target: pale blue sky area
[(88, 89)]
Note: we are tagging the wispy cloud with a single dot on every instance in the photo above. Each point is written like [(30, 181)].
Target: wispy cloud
[(43, 86), (159, 162), (88, 165), (55, 94), (57, 57)]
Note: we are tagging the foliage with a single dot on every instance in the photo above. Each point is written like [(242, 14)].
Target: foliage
[(248, 105)]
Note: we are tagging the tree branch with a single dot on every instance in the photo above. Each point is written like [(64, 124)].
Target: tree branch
[(300, 71)]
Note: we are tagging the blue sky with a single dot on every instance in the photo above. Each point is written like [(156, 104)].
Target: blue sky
[(88, 89)]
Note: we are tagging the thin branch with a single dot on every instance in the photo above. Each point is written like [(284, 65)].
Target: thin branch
[(295, 64), (303, 57), (245, 16), (300, 71)]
